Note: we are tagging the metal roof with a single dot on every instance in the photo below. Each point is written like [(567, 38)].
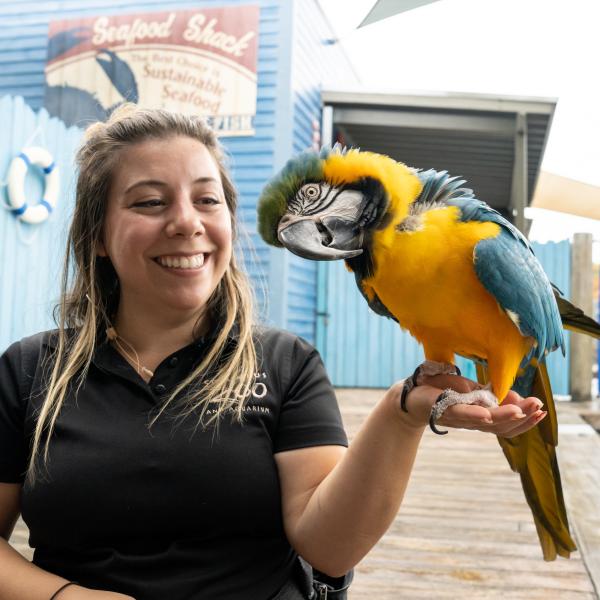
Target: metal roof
[(491, 141)]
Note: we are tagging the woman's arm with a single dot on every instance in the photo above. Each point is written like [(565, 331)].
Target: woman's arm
[(337, 504), (22, 580)]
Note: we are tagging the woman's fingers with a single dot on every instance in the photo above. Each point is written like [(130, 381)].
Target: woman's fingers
[(513, 417), (527, 405), (527, 424), (466, 416)]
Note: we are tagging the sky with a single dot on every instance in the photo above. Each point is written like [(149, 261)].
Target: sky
[(540, 48)]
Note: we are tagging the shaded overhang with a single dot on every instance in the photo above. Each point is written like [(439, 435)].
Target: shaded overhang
[(496, 143)]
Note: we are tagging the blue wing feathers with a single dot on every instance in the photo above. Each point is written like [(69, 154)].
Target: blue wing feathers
[(505, 265), (512, 274)]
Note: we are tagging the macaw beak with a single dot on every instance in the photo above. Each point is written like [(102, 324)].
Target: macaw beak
[(320, 238)]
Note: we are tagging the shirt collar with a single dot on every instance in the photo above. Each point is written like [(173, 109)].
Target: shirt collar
[(51, 338)]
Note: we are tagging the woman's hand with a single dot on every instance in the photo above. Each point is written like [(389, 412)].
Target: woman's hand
[(77, 592), (514, 416)]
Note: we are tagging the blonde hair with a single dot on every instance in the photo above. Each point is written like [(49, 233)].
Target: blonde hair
[(90, 288)]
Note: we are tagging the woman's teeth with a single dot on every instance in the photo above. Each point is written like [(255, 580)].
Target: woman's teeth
[(181, 262)]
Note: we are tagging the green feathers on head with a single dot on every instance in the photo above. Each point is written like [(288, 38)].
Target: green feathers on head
[(273, 201)]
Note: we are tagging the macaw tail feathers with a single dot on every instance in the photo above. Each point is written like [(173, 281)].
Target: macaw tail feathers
[(533, 455), (575, 319)]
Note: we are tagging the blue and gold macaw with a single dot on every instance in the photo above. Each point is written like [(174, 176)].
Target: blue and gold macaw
[(449, 269)]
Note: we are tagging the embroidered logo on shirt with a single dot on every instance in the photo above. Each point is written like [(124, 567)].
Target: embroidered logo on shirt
[(258, 391)]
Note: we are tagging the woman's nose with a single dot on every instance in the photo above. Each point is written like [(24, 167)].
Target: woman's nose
[(184, 219)]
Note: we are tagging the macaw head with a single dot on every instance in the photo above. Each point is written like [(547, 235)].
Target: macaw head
[(327, 206)]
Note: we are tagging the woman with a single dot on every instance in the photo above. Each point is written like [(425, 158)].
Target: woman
[(178, 451)]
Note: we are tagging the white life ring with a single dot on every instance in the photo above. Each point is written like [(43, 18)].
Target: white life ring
[(32, 213)]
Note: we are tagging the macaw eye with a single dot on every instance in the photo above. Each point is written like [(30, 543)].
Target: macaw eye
[(311, 191)]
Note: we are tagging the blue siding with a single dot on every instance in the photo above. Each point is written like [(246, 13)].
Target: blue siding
[(31, 255), (362, 349), (314, 66), (293, 65), (556, 260), (23, 39)]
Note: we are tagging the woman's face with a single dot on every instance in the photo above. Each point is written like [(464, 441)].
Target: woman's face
[(167, 229)]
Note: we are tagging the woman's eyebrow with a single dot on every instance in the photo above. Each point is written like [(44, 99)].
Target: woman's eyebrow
[(157, 182)]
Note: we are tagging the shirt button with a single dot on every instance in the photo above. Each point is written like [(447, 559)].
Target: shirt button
[(173, 362), (160, 388)]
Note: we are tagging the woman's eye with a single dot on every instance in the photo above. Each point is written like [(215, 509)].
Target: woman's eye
[(210, 200), (151, 203)]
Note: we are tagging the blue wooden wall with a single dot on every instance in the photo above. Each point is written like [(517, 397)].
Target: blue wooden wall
[(23, 38), (362, 349), (31, 255), (292, 65), (556, 260), (314, 64)]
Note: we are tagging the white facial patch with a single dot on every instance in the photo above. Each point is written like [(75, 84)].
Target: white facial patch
[(322, 198)]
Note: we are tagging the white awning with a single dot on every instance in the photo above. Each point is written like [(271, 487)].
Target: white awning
[(383, 9), (562, 194)]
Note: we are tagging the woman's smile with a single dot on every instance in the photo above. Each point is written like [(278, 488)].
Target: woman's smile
[(193, 261), (184, 264)]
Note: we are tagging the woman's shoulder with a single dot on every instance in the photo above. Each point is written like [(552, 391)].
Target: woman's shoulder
[(282, 349), (34, 343), (280, 338), (29, 350), (20, 362)]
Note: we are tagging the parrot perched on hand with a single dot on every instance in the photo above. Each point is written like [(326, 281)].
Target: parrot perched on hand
[(450, 270)]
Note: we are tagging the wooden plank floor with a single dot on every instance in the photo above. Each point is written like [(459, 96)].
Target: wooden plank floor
[(464, 529)]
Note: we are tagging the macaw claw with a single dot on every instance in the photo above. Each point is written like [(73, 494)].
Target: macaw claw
[(409, 383), (432, 426), (482, 397), (429, 367)]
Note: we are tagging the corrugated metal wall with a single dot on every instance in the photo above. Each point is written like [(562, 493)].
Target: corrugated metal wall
[(279, 124), (362, 349)]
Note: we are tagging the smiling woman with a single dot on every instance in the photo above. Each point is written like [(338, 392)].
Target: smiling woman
[(167, 231), (161, 444)]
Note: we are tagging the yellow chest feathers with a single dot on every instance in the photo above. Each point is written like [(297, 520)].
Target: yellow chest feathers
[(428, 268)]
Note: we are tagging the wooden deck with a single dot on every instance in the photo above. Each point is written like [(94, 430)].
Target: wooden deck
[(464, 529)]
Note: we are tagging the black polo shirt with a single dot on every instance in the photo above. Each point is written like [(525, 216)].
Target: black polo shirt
[(171, 512)]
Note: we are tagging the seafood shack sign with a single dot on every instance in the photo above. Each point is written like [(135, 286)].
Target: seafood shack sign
[(199, 62)]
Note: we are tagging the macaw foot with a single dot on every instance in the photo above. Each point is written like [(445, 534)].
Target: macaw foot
[(482, 397), (427, 368)]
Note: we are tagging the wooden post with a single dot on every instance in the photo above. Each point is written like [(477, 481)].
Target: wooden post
[(582, 346)]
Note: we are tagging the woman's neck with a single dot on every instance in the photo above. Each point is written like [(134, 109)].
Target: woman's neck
[(156, 335)]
